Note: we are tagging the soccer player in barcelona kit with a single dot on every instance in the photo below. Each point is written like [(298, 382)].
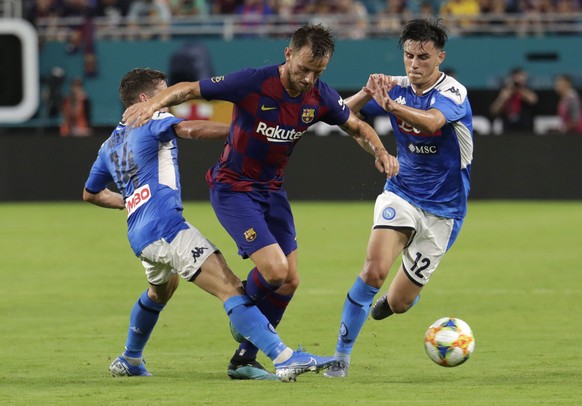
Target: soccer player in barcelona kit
[(421, 209), (143, 164), (273, 108)]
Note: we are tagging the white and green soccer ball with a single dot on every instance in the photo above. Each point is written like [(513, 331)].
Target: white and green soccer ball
[(449, 342)]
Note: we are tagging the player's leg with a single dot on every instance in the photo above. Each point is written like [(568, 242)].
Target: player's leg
[(217, 279), (434, 236), (273, 307), (145, 313), (384, 247), (281, 225), (393, 227), (244, 217)]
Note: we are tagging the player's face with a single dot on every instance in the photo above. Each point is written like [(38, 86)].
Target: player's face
[(302, 70), (422, 61)]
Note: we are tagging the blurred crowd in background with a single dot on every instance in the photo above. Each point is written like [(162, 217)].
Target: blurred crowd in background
[(79, 23), (350, 18)]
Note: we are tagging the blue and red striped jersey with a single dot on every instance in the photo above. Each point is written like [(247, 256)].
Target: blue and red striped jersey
[(266, 125)]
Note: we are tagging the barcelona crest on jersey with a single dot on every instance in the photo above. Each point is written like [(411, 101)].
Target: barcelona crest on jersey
[(308, 115)]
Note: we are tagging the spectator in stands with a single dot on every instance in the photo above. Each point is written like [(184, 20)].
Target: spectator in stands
[(460, 15), (52, 94), (149, 18), (531, 19), (111, 13), (393, 17), (188, 7), (76, 109), (426, 9), (515, 103), (225, 7), (569, 106), (47, 11), (346, 18), (569, 11), (253, 13), (496, 17)]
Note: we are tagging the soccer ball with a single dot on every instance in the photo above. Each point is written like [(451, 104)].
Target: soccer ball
[(449, 342)]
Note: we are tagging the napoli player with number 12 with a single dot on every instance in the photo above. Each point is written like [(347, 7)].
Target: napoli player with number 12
[(421, 210), (273, 108)]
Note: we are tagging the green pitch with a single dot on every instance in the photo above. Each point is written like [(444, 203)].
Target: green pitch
[(69, 280)]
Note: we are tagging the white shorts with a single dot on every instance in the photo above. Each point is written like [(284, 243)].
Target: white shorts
[(184, 256), (431, 235)]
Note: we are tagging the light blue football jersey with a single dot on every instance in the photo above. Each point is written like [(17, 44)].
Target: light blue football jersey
[(143, 163), (435, 168)]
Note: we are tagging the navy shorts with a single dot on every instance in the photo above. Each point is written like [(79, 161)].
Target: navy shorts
[(256, 219)]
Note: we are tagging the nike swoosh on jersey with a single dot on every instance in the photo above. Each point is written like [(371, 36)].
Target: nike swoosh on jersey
[(265, 108)]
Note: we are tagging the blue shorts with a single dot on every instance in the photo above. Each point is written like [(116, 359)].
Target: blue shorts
[(256, 219)]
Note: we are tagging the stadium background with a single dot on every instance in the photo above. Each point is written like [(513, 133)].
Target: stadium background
[(37, 164)]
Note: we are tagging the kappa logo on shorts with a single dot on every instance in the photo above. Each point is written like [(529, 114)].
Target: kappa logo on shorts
[(250, 235), (198, 251), (388, 213)]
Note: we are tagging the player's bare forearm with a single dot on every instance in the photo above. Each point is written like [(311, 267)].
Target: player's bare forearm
[(202, 129), (140, 113), (105, 198), (369, 140), (176, 94), (358, 101)]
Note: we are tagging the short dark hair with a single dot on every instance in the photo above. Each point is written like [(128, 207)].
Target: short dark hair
[(139, 80), (318, 37), (425, 30)]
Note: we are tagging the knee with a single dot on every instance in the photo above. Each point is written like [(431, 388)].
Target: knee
[(275, 271), (162, 294), (374, 273)]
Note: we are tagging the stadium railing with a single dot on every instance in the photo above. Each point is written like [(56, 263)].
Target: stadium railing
[(228, 27)]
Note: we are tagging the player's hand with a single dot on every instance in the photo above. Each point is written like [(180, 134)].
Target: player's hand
[(386, 163), (138, 114), (378, 87)]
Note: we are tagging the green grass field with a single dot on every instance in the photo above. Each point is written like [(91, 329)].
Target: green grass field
[(69, 280)]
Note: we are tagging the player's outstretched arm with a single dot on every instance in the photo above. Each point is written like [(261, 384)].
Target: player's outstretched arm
[(369, 140), (140, 113), (358, 101), (202, 130), (105, 198)]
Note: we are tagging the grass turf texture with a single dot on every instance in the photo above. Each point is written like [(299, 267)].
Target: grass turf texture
[(69, 280)]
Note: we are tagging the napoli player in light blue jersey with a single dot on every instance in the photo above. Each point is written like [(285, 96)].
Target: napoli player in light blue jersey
[(421, 210), (274, 106), (143, 164)]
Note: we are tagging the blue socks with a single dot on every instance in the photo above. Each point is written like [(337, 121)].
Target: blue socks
[(254, 326), (354, 314), (142, 321), (273, 308)]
